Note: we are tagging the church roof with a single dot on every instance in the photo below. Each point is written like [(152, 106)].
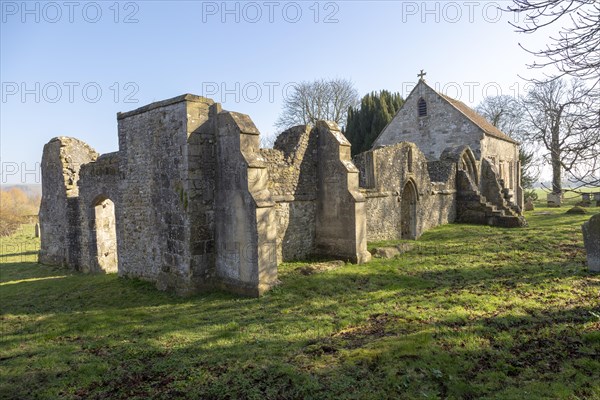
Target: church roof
[(477, 119)]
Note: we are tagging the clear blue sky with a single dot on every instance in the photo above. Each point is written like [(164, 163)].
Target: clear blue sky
[(56, 55)]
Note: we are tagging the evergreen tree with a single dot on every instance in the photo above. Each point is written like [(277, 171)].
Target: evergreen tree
[(366, 122)]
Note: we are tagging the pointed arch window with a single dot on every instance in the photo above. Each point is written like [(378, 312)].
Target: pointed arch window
[(422, 107)]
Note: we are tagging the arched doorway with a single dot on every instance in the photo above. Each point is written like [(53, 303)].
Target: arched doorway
[(408, 211), (105, 230)]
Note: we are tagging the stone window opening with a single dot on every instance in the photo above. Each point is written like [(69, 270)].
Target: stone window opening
[(422, 107)]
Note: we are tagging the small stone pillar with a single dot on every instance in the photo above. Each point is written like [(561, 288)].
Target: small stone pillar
[(591, 240), (37, 230)]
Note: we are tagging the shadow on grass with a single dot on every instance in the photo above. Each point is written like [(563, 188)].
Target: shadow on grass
[(455, 317), (233, 354), (29, 254), (73, 292)]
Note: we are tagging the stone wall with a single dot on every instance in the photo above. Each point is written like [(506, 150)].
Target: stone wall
[(98, 187), (166, 157), (198, 190), (155, 191), (59, 209), (190, 201), (296, 221), (341, 213), (245, 233), (396, 169), (505, 157), (306, 166), (491, 186), (292, 167)]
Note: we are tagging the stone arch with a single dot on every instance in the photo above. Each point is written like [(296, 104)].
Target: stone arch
[(104, 234), (469, 165), (465, 159), (408, 210)]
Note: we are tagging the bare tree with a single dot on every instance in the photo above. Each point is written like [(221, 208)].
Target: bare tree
[(557, 116), (505, 113), (267, 141), (574, 48), (318, 100)]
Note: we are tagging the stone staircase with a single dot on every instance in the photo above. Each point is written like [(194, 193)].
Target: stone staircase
[(474, 208), (508, 203)]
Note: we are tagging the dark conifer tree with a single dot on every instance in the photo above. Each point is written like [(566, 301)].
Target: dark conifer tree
[(366, 122)]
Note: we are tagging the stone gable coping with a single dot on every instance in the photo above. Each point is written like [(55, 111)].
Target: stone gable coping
[(164, 103)]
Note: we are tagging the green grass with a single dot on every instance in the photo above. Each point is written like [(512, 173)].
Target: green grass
[(470, 312)]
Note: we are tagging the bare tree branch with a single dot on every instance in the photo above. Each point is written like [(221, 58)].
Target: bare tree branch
[(575, 48)]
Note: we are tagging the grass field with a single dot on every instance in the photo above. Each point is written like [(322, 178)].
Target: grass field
[(470, 312), (570, 198)]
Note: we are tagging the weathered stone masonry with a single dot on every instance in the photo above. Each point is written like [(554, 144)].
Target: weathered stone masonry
[(442, 123), (190, 201), (402, 200)]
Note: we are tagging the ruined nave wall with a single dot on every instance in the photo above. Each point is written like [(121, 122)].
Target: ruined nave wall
[(189, 201), (62, 159), (292, 167), (385, 173)]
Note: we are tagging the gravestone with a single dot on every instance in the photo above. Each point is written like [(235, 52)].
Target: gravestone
[(597, 198), (37, 230), (554, 199), (591, 240), (529, 204), (586, 199)]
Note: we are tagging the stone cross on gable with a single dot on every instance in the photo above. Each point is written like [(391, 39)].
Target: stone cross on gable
[(422, 75)]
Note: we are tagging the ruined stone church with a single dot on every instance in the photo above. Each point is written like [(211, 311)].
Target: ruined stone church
[(190, 201)]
